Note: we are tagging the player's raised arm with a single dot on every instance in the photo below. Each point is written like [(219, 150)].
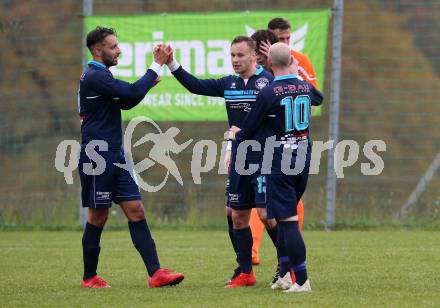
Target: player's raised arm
[(207, 87), (127, 94), (131, 94)]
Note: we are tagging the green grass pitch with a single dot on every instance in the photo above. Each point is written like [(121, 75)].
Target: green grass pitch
[(346, 268)]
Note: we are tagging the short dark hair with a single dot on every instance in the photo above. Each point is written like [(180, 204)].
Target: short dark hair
[(250, 42), (263, 36), (97, 35), (278, 23)]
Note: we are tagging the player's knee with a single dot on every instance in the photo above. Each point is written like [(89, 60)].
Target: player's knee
[(270, 223), (240, 219), (138, 212), (262, 214), (239, 224), (134, 210), (98, 217), (98, 221)]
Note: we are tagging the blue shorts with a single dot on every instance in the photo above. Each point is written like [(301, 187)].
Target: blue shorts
[(113, 185), (246, 191), (283, 193)]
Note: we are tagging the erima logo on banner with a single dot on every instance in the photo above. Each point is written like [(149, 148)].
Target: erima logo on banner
[(211, 57)]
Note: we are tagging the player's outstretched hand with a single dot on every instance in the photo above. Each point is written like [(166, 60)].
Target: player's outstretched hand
[(171, 56), (162, 53)]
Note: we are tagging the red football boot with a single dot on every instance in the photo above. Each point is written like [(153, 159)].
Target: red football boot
[(95, 282), (242, 280), (164, 277)]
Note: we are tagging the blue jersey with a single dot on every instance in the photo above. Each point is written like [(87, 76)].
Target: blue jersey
[(282, 110), (100, 100), (239, 96)]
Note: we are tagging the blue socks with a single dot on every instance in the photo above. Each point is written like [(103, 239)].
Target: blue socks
[(142, 240), (283, 259), (294, 248), (300, 273), (144, 243), (231, 233), (273, 234), (243, 241), (91, 249)]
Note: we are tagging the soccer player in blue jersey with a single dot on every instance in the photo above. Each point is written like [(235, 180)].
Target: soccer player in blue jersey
[(100, 100), (259, 220), (280, 121), (240, 94)]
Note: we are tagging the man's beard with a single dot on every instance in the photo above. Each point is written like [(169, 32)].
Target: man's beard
[(109, 61)]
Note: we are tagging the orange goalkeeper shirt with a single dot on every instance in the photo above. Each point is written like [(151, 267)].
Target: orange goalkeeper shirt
[(305, 67)]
